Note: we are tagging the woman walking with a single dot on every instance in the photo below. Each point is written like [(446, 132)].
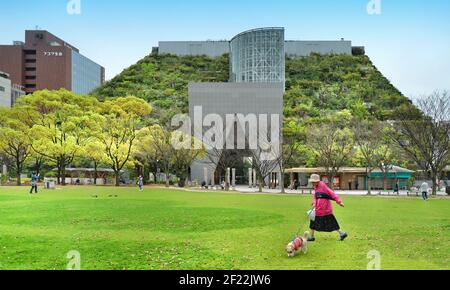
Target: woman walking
[(141, 183), (34, 183), (325, 220), (424, 188)]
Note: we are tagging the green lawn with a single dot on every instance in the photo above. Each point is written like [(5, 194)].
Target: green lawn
[(168, 229)]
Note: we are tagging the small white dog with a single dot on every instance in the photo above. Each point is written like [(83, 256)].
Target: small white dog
[(297, 245)]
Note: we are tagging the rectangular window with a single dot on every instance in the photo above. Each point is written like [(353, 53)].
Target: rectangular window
[(30, 52), (30, 86), (30, 77), (30, 61), (30, 69), (2, 89)]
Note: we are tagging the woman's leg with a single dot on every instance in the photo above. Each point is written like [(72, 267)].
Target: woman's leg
[(342, 235), (312, 238)]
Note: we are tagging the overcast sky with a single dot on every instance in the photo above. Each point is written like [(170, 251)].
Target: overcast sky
[(408, 40)]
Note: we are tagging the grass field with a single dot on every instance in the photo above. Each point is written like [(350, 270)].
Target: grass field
[(169, 229)]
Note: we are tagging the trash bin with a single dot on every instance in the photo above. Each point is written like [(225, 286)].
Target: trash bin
[(50, 184)]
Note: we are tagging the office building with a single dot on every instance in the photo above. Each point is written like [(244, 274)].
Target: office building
[(5, 90), (45, 61)]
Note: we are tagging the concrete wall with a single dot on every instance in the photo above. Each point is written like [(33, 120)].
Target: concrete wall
[(217, 48), (5, 92), (305, 48), (232, 98), (184, 48)]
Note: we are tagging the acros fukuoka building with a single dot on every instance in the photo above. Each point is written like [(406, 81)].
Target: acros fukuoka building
[(45, 61), (256, 87), (258, 56)]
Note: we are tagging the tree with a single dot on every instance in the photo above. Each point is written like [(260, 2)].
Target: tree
[(121, 120), (61, 122), (424, 135), (145, 153), (37, 161), (160, 145), (266, 162), (332, 147), (292, 134), (14, 141), (372, 146), (183, 158), (94, 151)]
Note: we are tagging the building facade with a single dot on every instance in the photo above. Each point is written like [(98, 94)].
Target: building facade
[(255, 89), (5, 90), (228, 100), (258, 56), (299, 48), (17, 91), (185, 48), (45, 61), (293, 48), (355, 178)]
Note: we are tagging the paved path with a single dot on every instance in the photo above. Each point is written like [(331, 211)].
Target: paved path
[(246, 189)]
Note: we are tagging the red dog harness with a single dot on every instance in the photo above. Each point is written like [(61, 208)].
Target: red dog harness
[(298, 243)]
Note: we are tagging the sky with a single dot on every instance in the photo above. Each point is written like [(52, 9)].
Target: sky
[(408, 40)]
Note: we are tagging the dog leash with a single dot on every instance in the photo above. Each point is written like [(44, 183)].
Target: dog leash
[(301, 229), (304, 225)]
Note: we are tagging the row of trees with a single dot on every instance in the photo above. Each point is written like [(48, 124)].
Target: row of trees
[(58, 128), (420, 136)]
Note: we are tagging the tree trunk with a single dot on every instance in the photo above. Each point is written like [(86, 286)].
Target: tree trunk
[(19, 179), (155, 175), (282, 182), (167, 178), (95, 173), (227, 184), (435, 183), (330, 182), (58, 176), (369, 184), (63, 174), (38, 165), (117, 178)]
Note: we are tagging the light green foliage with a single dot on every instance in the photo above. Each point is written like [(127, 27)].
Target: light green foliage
[(319, 89), (61, 124), (162, 80), (15, 143), (122, 117)]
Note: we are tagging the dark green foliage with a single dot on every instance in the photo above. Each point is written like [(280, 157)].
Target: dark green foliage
[(316, 86), (358, 50), (163, 81), (320, 85)]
